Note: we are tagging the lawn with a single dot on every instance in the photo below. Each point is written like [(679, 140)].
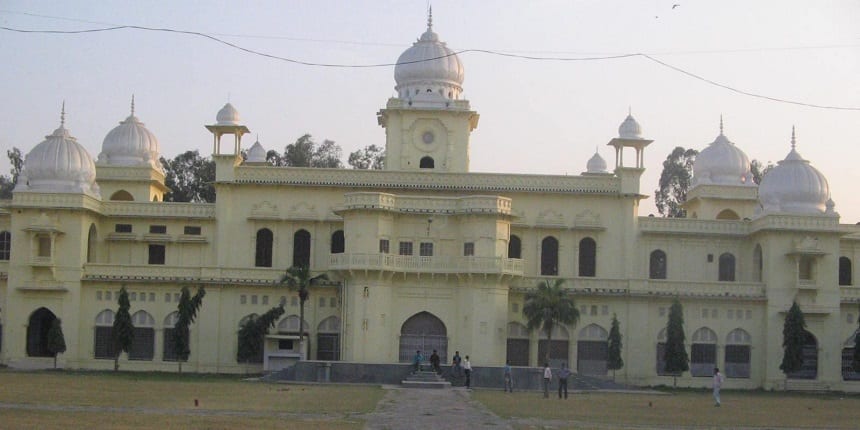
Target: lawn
[(162, 400), (675, 408)]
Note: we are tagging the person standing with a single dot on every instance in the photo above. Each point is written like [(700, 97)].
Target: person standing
[(434, 361), (563, 374), (509, 381), (467, 367), (547, 376), (718, 383), (416, 361), (455, 364)]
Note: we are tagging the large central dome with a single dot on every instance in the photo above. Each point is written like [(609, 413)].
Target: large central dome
[(429, 68), (130, 144), (794, 186), (722, 163)]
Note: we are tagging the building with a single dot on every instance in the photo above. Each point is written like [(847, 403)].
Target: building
[(425, 254)]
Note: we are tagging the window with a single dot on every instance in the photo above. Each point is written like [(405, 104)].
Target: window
[(5, 245), (158, 229), (253, 299), (757, 264), (727, 267), (156, 254), (738, 354), (44, 242), (265, 300), (337, 242), (92, 238), (143, 345), (657, 266), (427, 163), (405, 248), (322, 302), (192, 230), (587, 257), (383, 246), (703, 352), (549, 256), (169, 351), (302, 249), (122, 228), (469, 249), (263, 252), (425, 249), (333, 302), (515, 247), (844, 271), (104, 335), (243, 299)]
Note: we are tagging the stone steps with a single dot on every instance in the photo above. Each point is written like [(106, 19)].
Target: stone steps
[(425, 379)]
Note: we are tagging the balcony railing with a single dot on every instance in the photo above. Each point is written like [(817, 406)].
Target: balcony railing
[(417, 264), (651, 287)]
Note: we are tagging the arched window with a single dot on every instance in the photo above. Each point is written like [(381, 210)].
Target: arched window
[(757, 263), (290, 326), (328, 339), (848, 373), (559, 349), (549, 256), (727, 267), (143, 345), (515, 247), (302, 249), (337, 242), (257, 349), (845, 271), (518, 344), (587, 257), (122, 196), (592, 350), (92, 238), (657, 265), (738, 354), (103, 342), (728, 214), (809, 368), (5, 245), (661, 352), (263, 255), (427, 163), (169, 350), (37, 333), (423, 332), (703, 352)]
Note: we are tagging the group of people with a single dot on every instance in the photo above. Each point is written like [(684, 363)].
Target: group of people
[(459, 366), (563, 374)]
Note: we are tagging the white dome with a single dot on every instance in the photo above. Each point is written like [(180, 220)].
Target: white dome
[(256, 153), (596, 164), (59, 165), (228, 115), (130, 144), (794, 186), (429, 67), (630, 129), (722, 163)]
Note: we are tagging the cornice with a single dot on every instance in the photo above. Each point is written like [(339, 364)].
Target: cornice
[(691, 226), (159, 209)]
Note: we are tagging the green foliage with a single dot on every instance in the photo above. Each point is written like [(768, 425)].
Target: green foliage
[(369, 157), (675, 355), (547, 306), (675, 180), (187, 309), (299, 279), (793, 338), (305, 152), (7, 183), (614, 360), (252, 335), (190, 178), (56, 339), (123, 328), (758, 170)]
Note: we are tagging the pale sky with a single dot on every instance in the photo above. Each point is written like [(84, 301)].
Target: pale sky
[(543, 117)]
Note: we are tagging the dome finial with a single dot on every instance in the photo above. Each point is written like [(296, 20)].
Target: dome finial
[(132, 105), (721, 124), (63, 115), (430, 17), (793, 140)]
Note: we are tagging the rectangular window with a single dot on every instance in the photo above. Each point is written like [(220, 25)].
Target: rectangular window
[(285, 344), (176, 297), (243, 299), (192, 230), (730, 314), (254, 299), (714, 314), (594, 310), (44, 246), (265, 300), (333, 302), (604, 310), (749, 314), (104, 343), (322, 302), (151, 297), (132, 297), (383, 246), (156, 254), (143, 344), (122, 228), (169, 351), (704, 313), (166, 297), (425, 249), (405, 248), (108, 295), (469, 249), (158, 229)]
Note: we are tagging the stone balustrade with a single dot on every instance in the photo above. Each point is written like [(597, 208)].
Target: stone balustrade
[(418, 264)]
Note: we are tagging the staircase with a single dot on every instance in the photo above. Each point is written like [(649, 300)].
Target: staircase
[(425, 379), (806, 385)]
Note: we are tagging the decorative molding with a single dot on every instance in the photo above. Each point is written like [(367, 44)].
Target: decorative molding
[(264, 210), (159, 210), (691, 226)]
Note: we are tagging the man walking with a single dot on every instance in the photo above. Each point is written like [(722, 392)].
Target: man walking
[(547, 376), (563, 374), (718, 383)]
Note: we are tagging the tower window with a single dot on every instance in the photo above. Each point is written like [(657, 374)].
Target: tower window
[(122, 228), (156, 254), (469, 249), (158, 229), (427, 163)]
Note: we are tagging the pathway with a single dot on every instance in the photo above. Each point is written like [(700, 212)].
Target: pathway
[(415, 408)]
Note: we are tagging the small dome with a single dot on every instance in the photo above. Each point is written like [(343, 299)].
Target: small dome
[(429, 67), (630, 129), (228, 115), (59, 165), (596, 164), (794, 186), (256, 153), (722, 163), (130, 144)]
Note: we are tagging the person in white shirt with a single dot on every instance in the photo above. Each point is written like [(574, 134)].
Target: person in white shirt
[(718, 383), (547, 376), (467, 367)]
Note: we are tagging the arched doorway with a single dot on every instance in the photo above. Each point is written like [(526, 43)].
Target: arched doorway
[(518, 344), (559, 349), (423, 332), (809, 369), (37, 332), (592, 350)]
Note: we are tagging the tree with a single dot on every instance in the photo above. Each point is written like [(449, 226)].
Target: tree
[(7, 183), (306, 153), (252, 334), (56, 340), (547, 306), (758, 170), (369, 157), (614, 360), (793, 339), (187, 310), (674, 182), (299, 278), (190, 178), (123, 328), (675, 355)]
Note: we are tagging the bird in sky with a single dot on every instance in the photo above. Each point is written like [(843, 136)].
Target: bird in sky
[(675, 5)]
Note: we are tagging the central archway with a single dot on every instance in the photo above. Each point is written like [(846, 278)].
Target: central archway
[(423, 332), (37, 333)]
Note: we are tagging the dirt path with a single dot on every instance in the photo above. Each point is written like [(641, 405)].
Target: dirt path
[(415, 408)]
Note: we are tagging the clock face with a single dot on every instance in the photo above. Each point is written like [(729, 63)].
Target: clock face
[(428, 137)]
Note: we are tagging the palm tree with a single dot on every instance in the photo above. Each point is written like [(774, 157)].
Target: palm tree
[(549, 306), (299, 278)]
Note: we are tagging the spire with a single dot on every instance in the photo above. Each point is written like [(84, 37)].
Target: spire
[(63, 115), (430, 18), (793, 140), (629, 110), (132, 105), (721, 124)]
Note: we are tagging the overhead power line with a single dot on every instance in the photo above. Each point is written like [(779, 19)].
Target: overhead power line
[(464, 51)]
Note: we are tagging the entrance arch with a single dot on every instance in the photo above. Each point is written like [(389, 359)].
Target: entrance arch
[(592, 350), (37, 332), (809, 369), (423, 332)]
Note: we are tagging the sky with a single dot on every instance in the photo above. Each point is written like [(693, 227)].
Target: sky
[(537, 116)]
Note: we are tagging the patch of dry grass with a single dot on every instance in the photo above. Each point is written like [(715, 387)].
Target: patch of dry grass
[(683, 408)]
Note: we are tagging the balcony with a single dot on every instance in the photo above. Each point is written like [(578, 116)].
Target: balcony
[(415, 264), (159, 273), (652, 287)]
